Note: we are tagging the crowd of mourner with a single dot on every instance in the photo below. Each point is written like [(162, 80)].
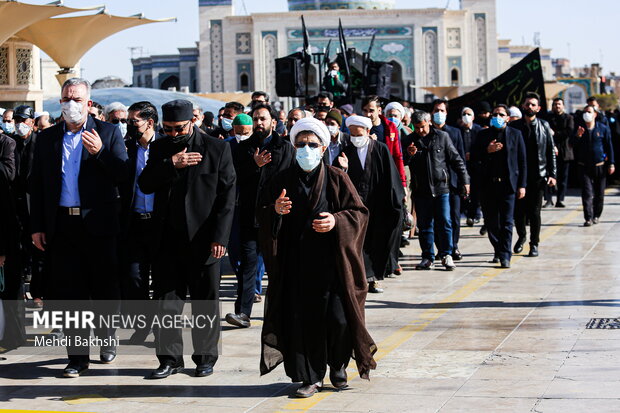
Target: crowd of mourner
[(116, 203)]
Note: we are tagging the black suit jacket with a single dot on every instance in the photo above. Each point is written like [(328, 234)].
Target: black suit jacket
[(515, 151), (98, 180), (457, 141), (345, 141), (210, 192)]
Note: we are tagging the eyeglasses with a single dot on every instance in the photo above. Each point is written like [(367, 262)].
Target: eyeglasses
[(501, 115), (135, 121), (312, 145), (116, 121), (179, 128)]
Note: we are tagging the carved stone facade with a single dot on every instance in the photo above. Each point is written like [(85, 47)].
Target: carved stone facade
[(481, 51), (4, 65), (24, 66), (453, 40), (244, 43), (431, 59), (270, 47), (217, 60)]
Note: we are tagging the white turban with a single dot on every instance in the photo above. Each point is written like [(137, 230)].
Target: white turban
[(311, 125), (397, 106), (514, 112), (357, 120)]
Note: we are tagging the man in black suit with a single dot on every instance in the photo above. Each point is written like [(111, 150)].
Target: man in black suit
[(258, 160), (138, 229), (500, 152), (77, 167), (11, 296), (193, 178)]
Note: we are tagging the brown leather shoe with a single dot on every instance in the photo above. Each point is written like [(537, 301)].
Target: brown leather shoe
[(308, 389), (338, 378)]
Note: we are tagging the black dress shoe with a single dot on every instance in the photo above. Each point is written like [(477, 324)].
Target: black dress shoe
[(308, 389), (495, 260), (560, 204), (338, 377), (456, 255), (239, 320), (107, 356), (548, 204), (74, 370), (204, 370), (533, 250), (504, 264), (595, 220), (164, 370), (519, 246), (483, 230), (588, 223)]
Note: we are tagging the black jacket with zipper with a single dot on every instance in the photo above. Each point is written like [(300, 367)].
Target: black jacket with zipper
[(430, 166)]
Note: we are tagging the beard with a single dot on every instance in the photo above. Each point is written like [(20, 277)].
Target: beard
[(530, 112), (262, 133)]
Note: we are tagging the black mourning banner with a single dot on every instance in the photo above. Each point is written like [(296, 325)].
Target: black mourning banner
[(509, 88)]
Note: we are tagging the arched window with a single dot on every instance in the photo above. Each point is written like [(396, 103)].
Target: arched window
[(244, 82), (454, 77)]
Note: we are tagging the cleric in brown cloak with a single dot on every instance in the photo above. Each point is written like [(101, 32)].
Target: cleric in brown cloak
[(312, 228)]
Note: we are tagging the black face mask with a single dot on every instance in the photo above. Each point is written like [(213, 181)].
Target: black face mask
[(132, 131), (529, 112)]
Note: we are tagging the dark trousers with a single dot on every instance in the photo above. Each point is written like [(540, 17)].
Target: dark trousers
[(12, 302), (455, 218), (528, 208), (175, 272), (472, 205), (137, 255), (498, 205), (83, 267), (234, 255), (32, 259), (246, 276), (562, 182), (593, 182)]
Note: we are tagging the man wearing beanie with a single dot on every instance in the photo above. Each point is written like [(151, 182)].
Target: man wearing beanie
[(339, 140), (193, 178)]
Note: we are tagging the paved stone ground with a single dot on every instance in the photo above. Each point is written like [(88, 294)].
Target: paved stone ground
[(479, 339)]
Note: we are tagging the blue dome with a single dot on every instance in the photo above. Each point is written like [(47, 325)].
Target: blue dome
[(340, 4), (129, 95)]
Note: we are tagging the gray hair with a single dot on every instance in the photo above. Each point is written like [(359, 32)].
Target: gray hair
[(76, 81), (196, 107), (303, 112), (113, 107), (420, 116), (466, 108)]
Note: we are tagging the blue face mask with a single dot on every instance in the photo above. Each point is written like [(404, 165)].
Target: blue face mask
[(395, 121), (439, 118), (308, 158), (497, 122), (8, 127), (227, 124)]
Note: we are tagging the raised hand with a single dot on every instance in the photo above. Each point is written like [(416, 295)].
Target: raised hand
[(283, 204), (262, 158), (91, 141), (184, 159), (343, 161), (494, 146)]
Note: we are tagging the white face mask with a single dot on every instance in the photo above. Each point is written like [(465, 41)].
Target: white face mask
[(241, 137), (467, 119), (72, 111), (588, 117), (333, 130), (22, 129), (198, 123), (123, 127), (359, 141)]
